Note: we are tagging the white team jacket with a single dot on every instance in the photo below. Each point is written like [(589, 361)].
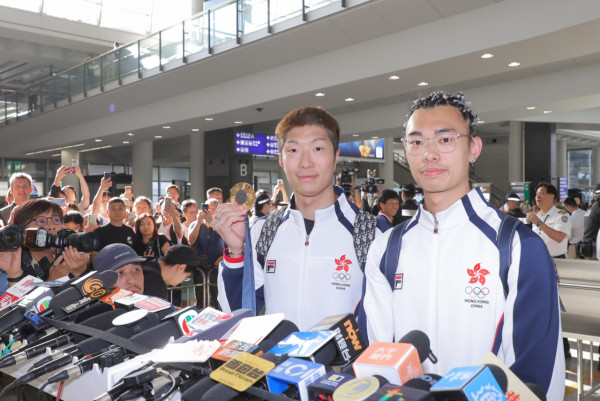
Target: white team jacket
[(447, 284)]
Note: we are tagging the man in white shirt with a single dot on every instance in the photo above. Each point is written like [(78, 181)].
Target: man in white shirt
[(577, 219), (551, 223)]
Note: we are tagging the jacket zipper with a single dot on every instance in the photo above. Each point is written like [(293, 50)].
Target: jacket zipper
[(306, 240), (435, 225)]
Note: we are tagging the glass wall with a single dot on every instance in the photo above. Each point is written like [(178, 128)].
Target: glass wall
[(579, 162)]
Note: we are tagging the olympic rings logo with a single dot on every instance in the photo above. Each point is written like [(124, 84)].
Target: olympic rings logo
[(477, 292), (343, 277)]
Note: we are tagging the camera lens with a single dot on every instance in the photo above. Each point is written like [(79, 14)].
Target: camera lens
[(83, 242), (11, 237)]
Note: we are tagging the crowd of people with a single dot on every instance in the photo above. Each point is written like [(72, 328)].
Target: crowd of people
[(400, 265)]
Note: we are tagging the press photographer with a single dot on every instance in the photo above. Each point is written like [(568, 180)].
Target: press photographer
[(42, 262)]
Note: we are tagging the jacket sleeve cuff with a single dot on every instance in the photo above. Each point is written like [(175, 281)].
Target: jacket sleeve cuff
[(232, 262)]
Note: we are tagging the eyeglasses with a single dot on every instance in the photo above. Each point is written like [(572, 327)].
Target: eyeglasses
[(42, 221), (443, 143)]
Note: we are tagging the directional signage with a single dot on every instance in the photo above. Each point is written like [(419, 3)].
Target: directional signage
[(251, 143)]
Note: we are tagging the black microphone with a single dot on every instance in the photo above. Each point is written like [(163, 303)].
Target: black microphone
[(348, 339), (102, 321), (171, 326), (106, 359)]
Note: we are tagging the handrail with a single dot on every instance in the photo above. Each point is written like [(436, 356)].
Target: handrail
[(198, 35)]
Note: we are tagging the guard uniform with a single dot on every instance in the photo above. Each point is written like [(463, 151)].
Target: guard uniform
[(558, 220)]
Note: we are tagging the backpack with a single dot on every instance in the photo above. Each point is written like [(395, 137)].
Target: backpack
[(363, 234), (506, 232)]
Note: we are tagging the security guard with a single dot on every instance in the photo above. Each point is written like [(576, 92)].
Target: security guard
[(551, 223)]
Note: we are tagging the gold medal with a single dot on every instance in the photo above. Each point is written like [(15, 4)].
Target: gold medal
[(243, 193)]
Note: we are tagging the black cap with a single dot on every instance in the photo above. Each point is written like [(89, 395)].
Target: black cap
[(114, 256), (261, 199), (182, 254), (513, 196), (597, 189)]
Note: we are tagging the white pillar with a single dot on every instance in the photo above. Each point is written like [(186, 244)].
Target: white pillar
[(141, 155), (387, 168), (197, 167), (561, 157), (66, 159), (515, 152), (596, 165)]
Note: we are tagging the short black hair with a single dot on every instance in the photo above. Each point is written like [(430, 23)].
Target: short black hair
[(571, 201), (73, 217), (551, 189), (388, 194), (441, 98)]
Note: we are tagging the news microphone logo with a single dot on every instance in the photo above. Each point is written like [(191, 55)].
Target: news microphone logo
[(183, 320), (352, 335), (43, 304), (93, 288)]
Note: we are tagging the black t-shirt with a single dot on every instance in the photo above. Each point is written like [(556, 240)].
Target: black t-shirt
[(156, 245), (154, 285), (110, 234)]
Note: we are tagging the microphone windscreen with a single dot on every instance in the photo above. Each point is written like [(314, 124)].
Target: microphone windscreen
[(63, 286), (281, 331), (423, 382), (64, 298), (499, 375), (326, 354), (537, 390), (158, 337), (93, 311), (420, 341), (219, 392), (109, 278)]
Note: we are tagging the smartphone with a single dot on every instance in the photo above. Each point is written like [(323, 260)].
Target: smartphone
[(131, 216), (279, 181), (74, 163), (168, 200), (92, 219), (107, 175), (127, 189), (59, 201), (204, 207)]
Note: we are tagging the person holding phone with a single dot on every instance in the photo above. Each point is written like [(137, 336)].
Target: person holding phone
[(150, 244), (69, 190), (103, 195)]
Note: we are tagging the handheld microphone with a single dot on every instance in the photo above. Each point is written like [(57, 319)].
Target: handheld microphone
[(348, 339), (397, 362), (104, 360), (359, 388), (471, 383)]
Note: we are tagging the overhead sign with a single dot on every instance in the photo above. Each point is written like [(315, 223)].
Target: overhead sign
[(250, 143)]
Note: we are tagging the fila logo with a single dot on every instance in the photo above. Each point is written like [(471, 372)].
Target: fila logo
[(271, 265), (398, 281)]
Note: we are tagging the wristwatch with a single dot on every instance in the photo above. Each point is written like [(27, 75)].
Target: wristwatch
[(539, 223)]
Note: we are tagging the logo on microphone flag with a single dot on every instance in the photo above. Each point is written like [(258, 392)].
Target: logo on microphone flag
[(183, 320), (43, 304)]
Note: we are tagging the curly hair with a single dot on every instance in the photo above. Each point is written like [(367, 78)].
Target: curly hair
[(441, 98)]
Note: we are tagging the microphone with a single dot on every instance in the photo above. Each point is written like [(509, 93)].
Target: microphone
[(324, 387), (359, 388), (348, 339), (34, 302), (294, 373), (515, 388), (102, 321), (471, 383), (217, 328), (106, 359), (173, 325), (416, 389), (397, 362), (16, 292)]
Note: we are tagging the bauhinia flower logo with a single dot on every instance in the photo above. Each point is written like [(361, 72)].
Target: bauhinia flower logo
[(477, 274), (342, 263)]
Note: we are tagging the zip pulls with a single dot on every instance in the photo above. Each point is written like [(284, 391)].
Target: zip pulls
[(435, 225), (306, 240)]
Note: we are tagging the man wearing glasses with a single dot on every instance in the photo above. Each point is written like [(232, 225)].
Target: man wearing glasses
[(446, 280)]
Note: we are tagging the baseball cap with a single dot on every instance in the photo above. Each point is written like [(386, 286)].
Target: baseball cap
[(597, 189), (513, 196), (182, 254), (114, 256)]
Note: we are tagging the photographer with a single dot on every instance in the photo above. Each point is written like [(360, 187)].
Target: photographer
[(41, 262), (69, 191)]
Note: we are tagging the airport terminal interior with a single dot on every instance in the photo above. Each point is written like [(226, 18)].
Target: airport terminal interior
[(188, 92)]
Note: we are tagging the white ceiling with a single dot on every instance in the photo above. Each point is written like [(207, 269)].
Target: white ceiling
[(348, 54)]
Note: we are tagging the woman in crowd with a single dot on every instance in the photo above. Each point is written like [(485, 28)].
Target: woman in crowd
[(73, 221), (150, 243), (41, 262), (262, 205)]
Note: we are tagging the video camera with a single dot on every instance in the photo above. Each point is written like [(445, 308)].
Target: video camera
[(345, 179), (11, 237), (40, 238), (371, 182)]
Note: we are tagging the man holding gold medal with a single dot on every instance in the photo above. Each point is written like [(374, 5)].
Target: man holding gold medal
[(312, 268)]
